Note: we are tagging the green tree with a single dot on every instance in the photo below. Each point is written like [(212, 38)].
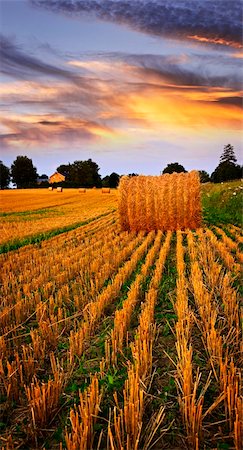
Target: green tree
[(204, 176), (81, 173), (65, 169), (114, 180), (174, 167), (106, 181), (23, 172), (227, 169), (4, 176), (228, 154)]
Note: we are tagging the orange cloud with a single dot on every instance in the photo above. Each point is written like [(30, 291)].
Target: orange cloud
[(215, 40), (178, 112)]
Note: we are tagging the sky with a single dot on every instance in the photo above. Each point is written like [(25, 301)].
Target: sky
[(134, 85)]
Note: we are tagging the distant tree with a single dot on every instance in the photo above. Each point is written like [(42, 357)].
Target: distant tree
[(227, 169), (81, 173), (23, 172), (106, 181), (114, 180), (228, 154), (132, 174), (44, 176), (85, 173), (174, 167), (65, 169), (4, 176), (204, 176)]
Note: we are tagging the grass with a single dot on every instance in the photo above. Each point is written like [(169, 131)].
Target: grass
[(223, 203), (41, 211), (37, 238)]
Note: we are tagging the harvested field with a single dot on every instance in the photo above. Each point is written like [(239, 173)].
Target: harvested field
[(115, 339)]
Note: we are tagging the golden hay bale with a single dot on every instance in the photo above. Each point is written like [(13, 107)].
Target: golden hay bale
[(167, 202), (50, 188), (82, 190), (59, 189), (106, 190)]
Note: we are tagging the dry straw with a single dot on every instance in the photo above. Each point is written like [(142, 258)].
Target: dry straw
[(167, 202)]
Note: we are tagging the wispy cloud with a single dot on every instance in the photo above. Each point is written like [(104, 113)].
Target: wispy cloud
[(40, 130), (20, 65), (207, 21), (107, 96)]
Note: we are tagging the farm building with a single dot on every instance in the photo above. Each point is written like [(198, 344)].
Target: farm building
[(56, 178)]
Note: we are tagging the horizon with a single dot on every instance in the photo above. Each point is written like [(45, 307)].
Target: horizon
[(131, 87)]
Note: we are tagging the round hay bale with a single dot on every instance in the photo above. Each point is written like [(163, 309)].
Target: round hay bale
[(59, 189), (167, 202), (106, 190), (50, 188), (82, 190)]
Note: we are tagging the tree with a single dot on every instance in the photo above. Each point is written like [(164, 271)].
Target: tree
[(65, 169), (23, 172), (81, 173), (114, 180), (174, 167), (106, 181), (4, 176), (227, 169), (228, 154), (204, 176), (111, 180)]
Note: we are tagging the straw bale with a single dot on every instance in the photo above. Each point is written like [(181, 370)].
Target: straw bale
[(59, 189), (167, 202), (82, 190), (50, 188), (106, 190)]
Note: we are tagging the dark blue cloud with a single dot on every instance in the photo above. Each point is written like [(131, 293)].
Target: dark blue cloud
[(213, 19)]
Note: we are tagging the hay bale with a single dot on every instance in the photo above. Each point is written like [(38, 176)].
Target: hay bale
[(50, 188), (82, 190), (106, 190), (59, 189), (167, 202)]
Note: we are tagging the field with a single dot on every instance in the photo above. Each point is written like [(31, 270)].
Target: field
[(119, 340)]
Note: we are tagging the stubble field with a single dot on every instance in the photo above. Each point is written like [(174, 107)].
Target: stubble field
[(119, 340)]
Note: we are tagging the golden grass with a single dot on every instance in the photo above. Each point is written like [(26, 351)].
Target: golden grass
[(38, 211), (83, 418)]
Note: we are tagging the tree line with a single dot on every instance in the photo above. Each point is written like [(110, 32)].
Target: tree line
[(85, 174)]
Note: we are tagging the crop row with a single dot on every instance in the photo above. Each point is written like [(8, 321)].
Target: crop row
[(54, 307)]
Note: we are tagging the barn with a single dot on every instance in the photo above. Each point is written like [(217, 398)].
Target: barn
[(56, 178)]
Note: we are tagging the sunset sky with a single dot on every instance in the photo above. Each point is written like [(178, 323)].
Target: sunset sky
[(134, 85)]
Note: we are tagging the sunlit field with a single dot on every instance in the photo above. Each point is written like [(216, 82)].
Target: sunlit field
[(27, 213), (119, 340)]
